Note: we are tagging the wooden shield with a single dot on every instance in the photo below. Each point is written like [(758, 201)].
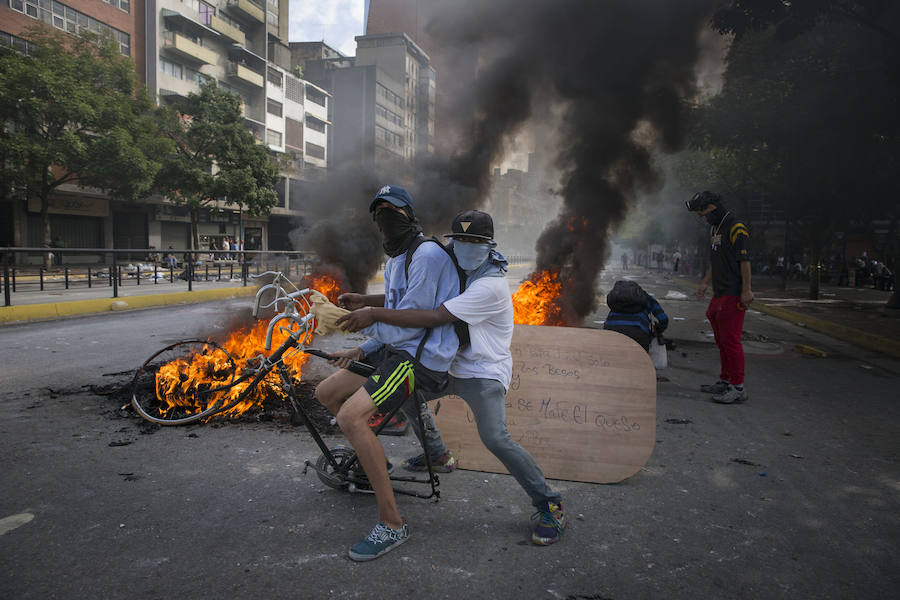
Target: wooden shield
[(581, 401)]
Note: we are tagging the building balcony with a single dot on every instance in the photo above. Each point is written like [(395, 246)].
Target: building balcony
[(184, 47), (228, 30), (247, 10), (245, 74)]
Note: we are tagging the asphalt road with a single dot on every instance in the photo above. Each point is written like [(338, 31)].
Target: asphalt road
[(795, 494)]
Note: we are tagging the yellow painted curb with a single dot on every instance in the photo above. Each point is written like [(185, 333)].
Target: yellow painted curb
[(847, 334), (53, 310)]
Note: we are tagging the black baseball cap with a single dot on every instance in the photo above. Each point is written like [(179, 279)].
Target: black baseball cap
[(473, 223)]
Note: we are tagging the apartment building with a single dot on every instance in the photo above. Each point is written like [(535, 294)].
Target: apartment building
[(83, 218), (241, 44), (383, 98), (177, 45)]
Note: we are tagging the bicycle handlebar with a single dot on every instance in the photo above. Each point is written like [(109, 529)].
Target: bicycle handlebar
[(302, 323), (277, 274)]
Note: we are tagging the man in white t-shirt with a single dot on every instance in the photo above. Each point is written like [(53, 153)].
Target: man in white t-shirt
[(481, 371)]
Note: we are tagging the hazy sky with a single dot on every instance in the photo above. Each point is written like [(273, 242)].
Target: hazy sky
[(335, 21)]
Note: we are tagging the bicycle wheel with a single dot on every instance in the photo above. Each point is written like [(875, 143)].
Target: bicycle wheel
[(184, 383)]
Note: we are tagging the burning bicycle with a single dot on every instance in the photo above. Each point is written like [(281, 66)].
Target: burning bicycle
[(194, 380)]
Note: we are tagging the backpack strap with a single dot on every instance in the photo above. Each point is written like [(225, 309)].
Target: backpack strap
[(460, 327)]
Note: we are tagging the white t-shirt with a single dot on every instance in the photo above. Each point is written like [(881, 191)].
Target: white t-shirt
[(486, 306)]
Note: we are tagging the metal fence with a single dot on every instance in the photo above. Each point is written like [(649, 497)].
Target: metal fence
[(24, 269)]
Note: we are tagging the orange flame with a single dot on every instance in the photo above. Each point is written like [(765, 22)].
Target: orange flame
[(327, 284), (536, 302), (181, 383)]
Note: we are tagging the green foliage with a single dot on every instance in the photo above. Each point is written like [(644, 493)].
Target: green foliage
[(215, 156), (791, 19), (75, 114), (812, 122)]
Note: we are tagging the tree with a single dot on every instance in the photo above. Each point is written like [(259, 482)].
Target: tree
[(813, 122), (74, 113), (791, 19), (215, 157)]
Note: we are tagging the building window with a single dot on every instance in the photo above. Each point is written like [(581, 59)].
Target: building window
[(273, 107), (315, 151), (231, 22), (170, 68), (315, 96), (206, 12), (275, 77), (273, 138), (272, 18), (72, 21), (389, 138), (388, 95), (196, 76), (315, 124), (388, 115), (16, 43)]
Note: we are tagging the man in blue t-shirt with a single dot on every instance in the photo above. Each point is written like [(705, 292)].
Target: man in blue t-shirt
[(480, 373), (405, 358)]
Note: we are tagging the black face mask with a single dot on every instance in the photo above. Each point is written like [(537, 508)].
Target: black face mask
[(716, 216), (397, 229)]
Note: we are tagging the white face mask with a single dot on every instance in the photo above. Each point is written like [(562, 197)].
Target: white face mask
[(470, 256)]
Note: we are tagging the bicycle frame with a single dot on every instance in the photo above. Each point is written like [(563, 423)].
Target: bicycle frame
[(347, 473)]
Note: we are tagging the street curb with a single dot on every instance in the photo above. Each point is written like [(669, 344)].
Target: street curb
[(57, 310), (869, 341)]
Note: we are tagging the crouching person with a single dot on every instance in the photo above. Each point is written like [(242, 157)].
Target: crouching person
[(630, 307)]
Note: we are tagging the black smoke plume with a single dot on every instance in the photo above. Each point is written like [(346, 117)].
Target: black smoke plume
[(621, 70)]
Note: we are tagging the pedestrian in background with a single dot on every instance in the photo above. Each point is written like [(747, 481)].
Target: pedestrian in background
[(729, 272)]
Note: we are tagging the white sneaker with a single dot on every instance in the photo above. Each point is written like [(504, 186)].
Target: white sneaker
[(731, 396)]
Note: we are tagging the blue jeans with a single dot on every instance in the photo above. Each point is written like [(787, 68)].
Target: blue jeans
[(486, 399)]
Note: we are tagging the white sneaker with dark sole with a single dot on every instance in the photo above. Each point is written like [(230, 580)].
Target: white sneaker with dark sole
[(731, 396), (380, 541), (719, 387)]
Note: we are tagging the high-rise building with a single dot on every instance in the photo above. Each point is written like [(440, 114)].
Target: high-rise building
[(240, 44), (176, 45), (412, 17), (383, 98)]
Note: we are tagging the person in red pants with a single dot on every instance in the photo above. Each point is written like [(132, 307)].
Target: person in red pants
[(729, 272)]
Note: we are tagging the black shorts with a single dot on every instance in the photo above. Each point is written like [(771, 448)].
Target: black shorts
[(397, 377)]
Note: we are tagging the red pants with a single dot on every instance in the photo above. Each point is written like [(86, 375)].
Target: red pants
[(726, 315)]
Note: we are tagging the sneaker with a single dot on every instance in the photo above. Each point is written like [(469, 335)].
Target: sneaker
[(551, 521), (731, 396), (382, 539), (719, 387), (445, 463)]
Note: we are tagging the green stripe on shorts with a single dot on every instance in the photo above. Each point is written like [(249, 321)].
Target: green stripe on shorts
[(403, 370)]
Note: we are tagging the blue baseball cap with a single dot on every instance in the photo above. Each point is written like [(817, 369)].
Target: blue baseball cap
[(394, 194)]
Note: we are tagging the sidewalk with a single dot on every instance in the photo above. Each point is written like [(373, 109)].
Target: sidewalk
[(855, 315), (56, 303)]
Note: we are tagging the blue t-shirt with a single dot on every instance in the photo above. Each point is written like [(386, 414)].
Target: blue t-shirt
[(432, 281)]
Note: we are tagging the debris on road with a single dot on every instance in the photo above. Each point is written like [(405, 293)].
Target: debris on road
[(811, 351)]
